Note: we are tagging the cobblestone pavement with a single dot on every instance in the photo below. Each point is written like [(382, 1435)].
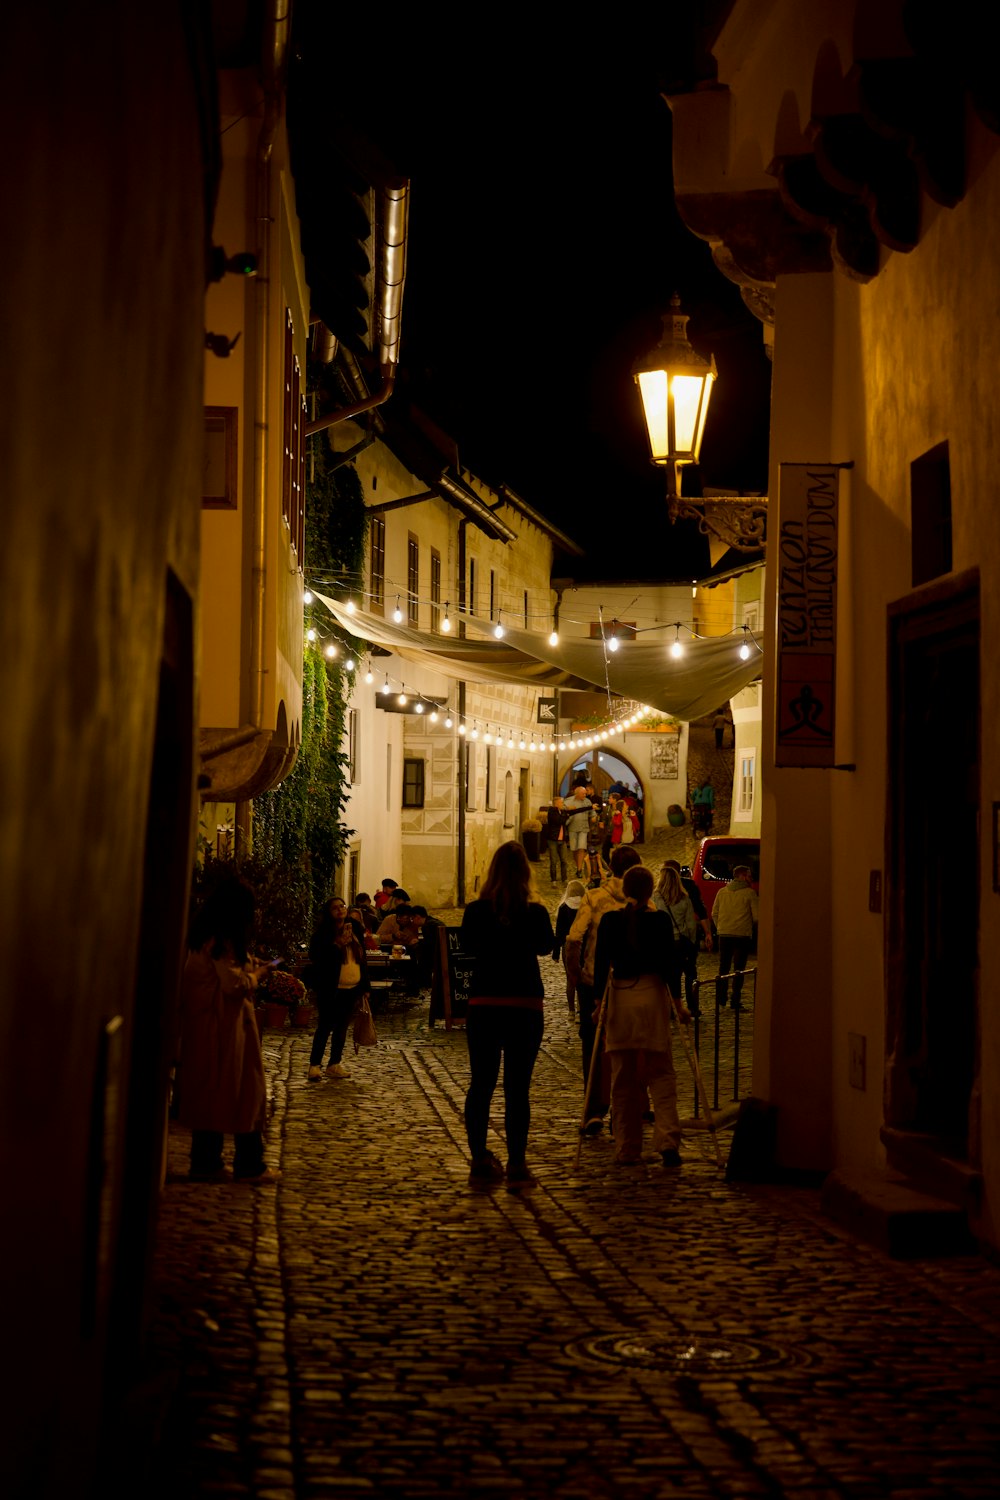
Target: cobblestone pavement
[(372, 1326)]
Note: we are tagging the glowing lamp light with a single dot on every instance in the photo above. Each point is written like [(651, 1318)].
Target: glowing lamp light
[(744, 652), (331, 652), (369, 677), (310, 635), (675, 385), (419, 708), (307, 597), (461, 728), (448, 722), (613, 643), (445, 623), (433, 716), (384, 689), (554, 638), (350, 663), (401, 700), (350, 607)]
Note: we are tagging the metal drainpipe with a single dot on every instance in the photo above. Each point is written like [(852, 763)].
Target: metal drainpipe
[(275, 44), (460, 860)]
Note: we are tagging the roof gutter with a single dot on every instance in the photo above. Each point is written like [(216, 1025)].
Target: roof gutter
[(566, 543), (274, 51), (468, 501), (392, 278)]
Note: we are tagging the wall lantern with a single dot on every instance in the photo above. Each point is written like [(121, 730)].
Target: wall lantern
[(675, 384)]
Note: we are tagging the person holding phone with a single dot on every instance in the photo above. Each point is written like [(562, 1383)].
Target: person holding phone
[(339, 978)]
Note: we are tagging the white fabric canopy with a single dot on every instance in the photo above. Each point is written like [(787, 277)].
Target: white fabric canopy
[(710, 671)]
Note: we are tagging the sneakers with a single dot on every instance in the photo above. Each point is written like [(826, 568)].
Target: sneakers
[(520, 1177), (486, 1170), (671, 1158), (315, 1074), (337, 1070)]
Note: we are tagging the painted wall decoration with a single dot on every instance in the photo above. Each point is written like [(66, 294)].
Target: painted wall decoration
[(664, 757)]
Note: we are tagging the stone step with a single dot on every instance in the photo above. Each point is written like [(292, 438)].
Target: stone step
[(886, 1209)]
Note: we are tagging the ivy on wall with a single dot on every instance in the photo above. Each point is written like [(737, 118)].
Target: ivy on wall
[(299, 836)]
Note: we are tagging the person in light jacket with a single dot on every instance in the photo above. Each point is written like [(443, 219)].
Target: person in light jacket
[(734, 914)]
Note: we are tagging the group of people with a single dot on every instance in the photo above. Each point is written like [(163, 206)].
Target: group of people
[(582, 829), (629, 949)]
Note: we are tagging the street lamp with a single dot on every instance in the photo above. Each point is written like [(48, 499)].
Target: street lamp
[(675, 384)]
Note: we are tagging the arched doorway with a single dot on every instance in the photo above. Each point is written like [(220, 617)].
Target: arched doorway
[(607, 770)]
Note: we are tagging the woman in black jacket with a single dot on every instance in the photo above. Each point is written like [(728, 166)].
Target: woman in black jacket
[(340, 978), (504, 931), (636, 946)]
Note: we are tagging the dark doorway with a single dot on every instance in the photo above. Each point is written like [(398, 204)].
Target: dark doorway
[(933, 862)]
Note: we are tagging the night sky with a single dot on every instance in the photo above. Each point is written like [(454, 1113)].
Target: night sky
[(544, 249)]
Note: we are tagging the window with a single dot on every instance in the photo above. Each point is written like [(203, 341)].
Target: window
[(491, 779), (526, 609), (353, 874), (930, 505), (493, 594), (435, 590), (413, 581), (218, 483), (413, 782), (623, 629), (509, 800), (377, 546), (470, 774), (353, 755), (472, 586), (744, 800), (293, 472)]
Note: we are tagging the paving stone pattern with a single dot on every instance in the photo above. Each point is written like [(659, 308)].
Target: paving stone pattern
[(374, 1326)]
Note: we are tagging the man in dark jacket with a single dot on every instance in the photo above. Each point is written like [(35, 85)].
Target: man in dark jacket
[(555, 832)]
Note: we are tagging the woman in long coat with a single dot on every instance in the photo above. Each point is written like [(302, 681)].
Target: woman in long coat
[(221, 1069)]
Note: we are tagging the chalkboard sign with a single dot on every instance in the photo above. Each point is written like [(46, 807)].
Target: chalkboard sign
[(452, 978)]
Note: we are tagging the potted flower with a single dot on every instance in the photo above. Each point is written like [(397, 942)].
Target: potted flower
[(280, 992)]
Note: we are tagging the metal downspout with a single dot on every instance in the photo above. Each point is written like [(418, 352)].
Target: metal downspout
[(273, 53)]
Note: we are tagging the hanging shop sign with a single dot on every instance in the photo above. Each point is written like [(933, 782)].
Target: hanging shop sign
[(547, 711), (805, 703)]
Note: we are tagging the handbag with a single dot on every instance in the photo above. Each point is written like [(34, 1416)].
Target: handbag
[(364, 1033)]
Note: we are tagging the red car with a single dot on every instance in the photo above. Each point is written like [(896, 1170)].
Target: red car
[(714, 863)]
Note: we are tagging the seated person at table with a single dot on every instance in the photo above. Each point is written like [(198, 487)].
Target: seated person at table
[(397, 927), (384, 896), (369, 915)]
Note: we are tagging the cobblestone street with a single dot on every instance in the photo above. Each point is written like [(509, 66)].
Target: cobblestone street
[(373, 1326)]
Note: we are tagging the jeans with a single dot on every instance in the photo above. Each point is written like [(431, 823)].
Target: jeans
[(336, 1007), (733, 954), (513, 1033), (557, 858), (206, 1153)]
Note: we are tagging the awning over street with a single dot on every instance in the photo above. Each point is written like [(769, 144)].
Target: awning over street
[(710, 671)]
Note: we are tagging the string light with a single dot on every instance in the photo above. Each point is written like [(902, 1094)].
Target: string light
[(554, 637), (350, 663), (331, 651), (401, 700), (448, 721), (419, 706), (369, 676), (445, 623), (433, 716), (461, 728), (350, 607), (307, 597), (487, 737), (498, 630), (612, 643), (310, 634), (384, 689), (397, 613), (676, 649), (745, 648)]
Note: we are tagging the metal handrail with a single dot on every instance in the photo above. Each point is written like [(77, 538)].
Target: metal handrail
[(717, 1038)]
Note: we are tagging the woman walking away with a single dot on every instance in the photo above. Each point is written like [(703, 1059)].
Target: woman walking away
[(671, 897), (636, 945), (504, 931), (340, 978), (221, 1073)]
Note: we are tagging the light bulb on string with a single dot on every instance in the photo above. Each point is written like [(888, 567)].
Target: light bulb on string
[(331, 651), (418, 707), (384, 689), (369, 675), (307, 597), (676, 649), (401, 700), (510, 742), (448, 721), (498, 628), (745, 648), (397, 613), (461, 728), (522, 745), (487, 737), (475, 731), (445, 623), (433, 716), (613, 643), (554, 638), (350, 664), (310, 634), (350, 607)]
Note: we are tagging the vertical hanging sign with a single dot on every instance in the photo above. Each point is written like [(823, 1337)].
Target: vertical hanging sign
[(807, 616)]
